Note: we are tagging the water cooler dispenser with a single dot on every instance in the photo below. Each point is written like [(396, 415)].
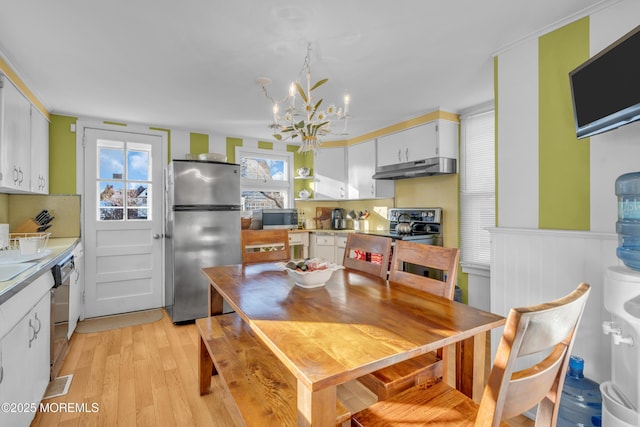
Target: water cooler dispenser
[(621, 395)]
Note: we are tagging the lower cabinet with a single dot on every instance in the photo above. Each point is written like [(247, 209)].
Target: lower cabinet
[(25, 354), (325, 246), (329, 246), (341, 244)]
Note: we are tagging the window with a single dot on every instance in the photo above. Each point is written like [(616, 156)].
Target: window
[(124, 181), (265, 178), (477, 186)]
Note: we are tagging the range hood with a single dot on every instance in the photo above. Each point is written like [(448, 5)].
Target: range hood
[(416, 168)]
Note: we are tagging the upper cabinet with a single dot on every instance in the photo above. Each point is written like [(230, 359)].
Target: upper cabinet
[(438, 138), (24, 143), (15, 131), (329, 173), (39, 152), (362, 166)]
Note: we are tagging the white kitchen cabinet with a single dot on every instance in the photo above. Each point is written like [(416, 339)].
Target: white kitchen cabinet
[(328, 245), (76, 287), (341, 244), (324, 246), (362, 166), (300, 239), (438, 138), (39, 152), (15, 144), (330, 173), (25, 358)]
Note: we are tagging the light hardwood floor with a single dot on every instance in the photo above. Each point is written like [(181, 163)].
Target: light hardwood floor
[(147, 375)]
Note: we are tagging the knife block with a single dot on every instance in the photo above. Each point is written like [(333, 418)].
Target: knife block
[(28, 226)]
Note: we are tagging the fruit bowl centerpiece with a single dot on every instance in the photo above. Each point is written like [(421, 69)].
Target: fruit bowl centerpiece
[(309, 273)]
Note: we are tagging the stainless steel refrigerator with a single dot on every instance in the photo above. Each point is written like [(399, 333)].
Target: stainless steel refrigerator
[(202, 229)]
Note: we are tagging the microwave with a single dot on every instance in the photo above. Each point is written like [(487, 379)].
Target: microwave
[(278, 218)]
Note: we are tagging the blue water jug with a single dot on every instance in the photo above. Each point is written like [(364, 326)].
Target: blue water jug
[(581, 402), (628, 225)]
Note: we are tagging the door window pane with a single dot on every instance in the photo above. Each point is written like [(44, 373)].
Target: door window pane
[(124, 187), (111, 163), (138, 164)]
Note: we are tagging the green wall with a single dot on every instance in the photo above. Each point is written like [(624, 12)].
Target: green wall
[(62, 155), (564, 188)]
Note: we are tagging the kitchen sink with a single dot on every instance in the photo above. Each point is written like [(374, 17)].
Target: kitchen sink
[(9, 271)]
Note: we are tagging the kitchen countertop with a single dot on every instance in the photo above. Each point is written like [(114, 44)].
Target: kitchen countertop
[(321, 230), (60, 247)]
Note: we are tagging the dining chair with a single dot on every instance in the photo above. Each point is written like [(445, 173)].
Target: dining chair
[(546, 330), (410, 259), (426, 368), (265, 245), (358, 245)]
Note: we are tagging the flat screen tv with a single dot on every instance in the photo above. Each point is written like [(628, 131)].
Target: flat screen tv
[(606, 88)]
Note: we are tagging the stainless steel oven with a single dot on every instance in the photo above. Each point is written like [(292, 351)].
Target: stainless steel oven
[(425, 228), (60, 313)]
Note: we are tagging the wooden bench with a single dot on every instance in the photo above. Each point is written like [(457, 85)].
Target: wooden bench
[(261, 386)]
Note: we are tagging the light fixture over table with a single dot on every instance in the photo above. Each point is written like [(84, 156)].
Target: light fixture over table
[(308, 121)]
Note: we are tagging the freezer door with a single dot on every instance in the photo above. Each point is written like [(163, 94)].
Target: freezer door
[(198, 239), (203, 183)]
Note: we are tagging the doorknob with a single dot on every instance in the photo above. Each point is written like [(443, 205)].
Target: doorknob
[(156, 236)]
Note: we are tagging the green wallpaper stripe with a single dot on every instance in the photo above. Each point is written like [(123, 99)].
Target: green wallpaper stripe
[(62, 155), (265, 145), (564, 161), (198, 143), (232, 143)]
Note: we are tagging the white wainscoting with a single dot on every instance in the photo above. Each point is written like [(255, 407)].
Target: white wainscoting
[(531, 266)]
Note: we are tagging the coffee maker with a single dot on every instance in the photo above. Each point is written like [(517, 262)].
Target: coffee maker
[(338, 219)]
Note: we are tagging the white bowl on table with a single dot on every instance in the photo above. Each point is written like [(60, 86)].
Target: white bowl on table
[(311, 279)]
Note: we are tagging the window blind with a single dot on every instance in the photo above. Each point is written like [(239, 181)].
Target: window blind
[(477, 186)]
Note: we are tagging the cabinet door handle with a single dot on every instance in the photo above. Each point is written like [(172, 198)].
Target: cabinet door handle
[(21, 175), (406, 154), (399, 154), (1, 373), (39, 325), (15, 175), (31, 339)]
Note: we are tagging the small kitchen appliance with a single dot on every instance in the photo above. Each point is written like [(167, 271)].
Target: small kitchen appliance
[(338, 219)]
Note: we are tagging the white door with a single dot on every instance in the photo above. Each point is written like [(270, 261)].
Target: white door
[(123, 221)]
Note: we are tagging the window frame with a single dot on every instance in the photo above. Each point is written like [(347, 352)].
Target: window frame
[(475, 243), (285, 185)]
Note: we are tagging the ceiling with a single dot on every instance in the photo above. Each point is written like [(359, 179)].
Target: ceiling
[(193, 64)]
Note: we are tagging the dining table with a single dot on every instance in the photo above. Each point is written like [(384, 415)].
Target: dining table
[(354, 324)]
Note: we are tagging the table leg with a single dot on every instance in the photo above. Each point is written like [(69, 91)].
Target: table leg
[(470, 366), (215, 301), (317, 408), (206, 368)]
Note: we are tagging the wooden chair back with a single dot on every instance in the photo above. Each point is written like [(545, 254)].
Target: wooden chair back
[(544, 332), (430, 256), (379, 246), (265, 246), (548, 328)]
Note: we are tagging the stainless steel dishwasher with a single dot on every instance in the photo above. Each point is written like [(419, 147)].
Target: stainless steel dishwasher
[(60, 313)]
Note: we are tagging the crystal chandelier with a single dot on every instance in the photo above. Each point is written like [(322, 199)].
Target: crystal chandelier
[(307, 120)]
